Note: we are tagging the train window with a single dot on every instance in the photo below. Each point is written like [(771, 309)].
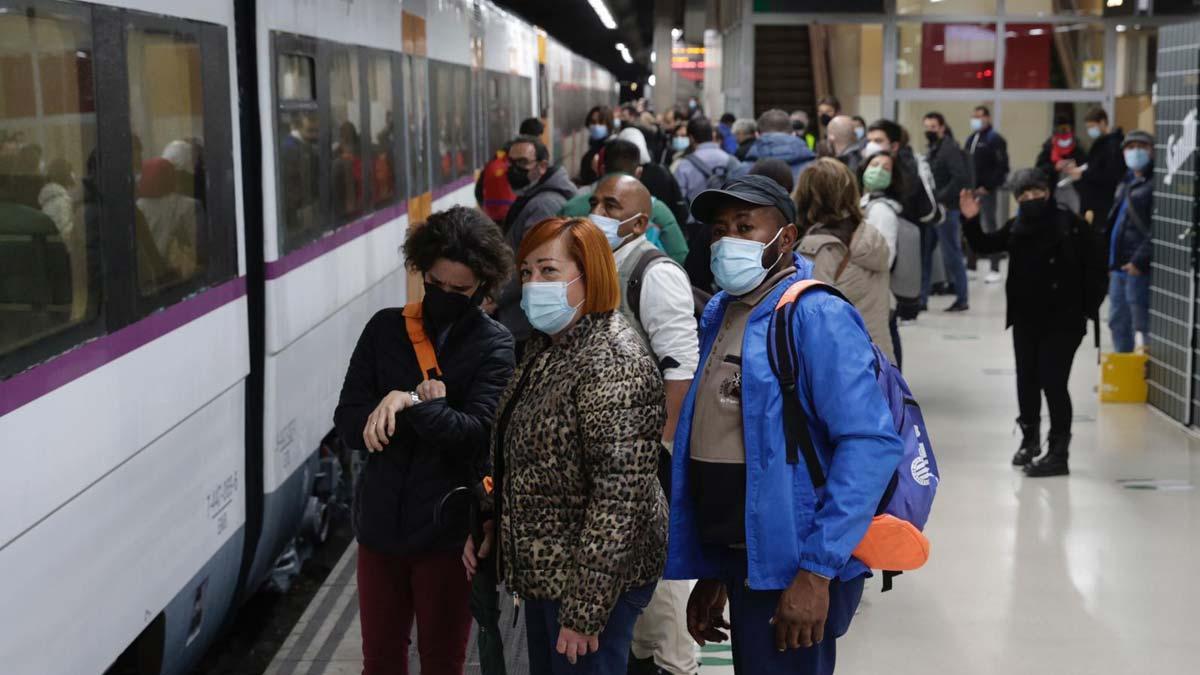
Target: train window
[(441, 99), (297, 81), (49, 216), (166, 115), (299, 128), (415, 79), (345, 103), (460, 117), (383, 129)]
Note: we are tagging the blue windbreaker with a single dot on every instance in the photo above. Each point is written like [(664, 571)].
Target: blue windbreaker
[(789, 525)]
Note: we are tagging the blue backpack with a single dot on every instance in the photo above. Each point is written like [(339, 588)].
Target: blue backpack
[(894, 543)]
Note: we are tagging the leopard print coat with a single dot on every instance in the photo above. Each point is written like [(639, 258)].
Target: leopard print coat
[(583, 518)]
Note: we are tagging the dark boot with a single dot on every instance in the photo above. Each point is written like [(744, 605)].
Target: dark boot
[(1031, 443), (1055, 461)]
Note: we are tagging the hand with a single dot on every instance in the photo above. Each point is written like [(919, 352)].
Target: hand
[(1131, 270), (471, 557), (1074, 171), (1063, 165), (381, 424), (800, 616), (706, 612), (967, 204), (981, 191), (573, 645), (431, 389)]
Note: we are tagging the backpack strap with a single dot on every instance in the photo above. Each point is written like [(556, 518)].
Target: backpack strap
[(633, 291), (783, 362), (426, 356), (700, 166)]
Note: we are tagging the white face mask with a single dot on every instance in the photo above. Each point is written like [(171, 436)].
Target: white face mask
[(546, 306), (611, 227), (736, 264), (872, 148)]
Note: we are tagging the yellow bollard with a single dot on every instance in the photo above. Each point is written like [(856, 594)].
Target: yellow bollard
[(1123, 378)]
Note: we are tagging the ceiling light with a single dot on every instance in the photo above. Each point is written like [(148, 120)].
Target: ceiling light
[(676, 33), (1114, 3), (1037, 31), (653, 59), (651, 81), (601, 10), (1121, 28)]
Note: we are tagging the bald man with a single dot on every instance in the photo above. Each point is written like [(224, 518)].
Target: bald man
[(846, 145), (664, 319)]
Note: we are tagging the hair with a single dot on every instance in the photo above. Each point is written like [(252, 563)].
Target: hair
[(832, 102), (540, 153), (899, 186), (860, 120), (936, 116), (728, 118), (700, 128), (775, 169), (604, 112), (1062, 121), (589, 249), (827, 194), (621, 155), (892, 130), (465, 236), (531, 126), (745, 126), (1096, 115), (775, 121), (983, 109), (630, 109)]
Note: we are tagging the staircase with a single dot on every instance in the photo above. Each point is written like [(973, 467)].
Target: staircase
[(783, 70)]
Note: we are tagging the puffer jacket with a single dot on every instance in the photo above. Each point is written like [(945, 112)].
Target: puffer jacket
[(777, 145), (866, 280), (575, 450)]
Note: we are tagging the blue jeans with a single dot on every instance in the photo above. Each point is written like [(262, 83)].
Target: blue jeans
[(950, 237), (1129, 308), (541, 628), (929, 242)]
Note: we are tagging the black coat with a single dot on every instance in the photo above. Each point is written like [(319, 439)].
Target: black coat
[(950, 173), (916, 202), (989, 158), (1106, 168), (1056, 271), (439, 445)]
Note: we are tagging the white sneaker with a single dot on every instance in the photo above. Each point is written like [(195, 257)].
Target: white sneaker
[(992, 278)]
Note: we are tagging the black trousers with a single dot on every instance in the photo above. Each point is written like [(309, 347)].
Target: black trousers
[(1044, 356)]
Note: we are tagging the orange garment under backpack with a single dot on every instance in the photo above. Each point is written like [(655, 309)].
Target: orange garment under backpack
[(422, 345)]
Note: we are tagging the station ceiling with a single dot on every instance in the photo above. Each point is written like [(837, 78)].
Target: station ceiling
[(575, 24)]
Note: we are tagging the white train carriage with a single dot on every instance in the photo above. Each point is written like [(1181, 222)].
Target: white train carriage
[(183, 274)]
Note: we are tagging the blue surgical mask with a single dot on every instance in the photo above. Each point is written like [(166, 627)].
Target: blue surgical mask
[(859, 132), (976, 124), (1137, 158), (1093, 132), (680, 143), (598, 132), (546, 306), (737, 264), (611, 227)]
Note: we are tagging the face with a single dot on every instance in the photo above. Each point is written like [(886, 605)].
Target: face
[(1033, 194), (859, 125), (981, 116), (877, 136), (524, 156), (619, 199), (932, 125), (310, 130), (882, 161), (681, 131), (552, 261), (1139, 146), (1064, 130), (754, 223), (826, 109), (452, 277)]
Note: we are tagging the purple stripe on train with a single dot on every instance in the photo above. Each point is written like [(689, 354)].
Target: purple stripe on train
[(340, 236), (74, 364)]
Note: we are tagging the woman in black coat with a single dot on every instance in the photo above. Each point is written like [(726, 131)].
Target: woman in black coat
[(1056, 281), (427, 437)]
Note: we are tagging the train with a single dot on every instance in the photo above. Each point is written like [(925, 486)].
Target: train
[(201, 204)]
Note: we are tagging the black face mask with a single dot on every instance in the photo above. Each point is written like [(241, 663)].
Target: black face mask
[(931, 136), (443, 308), (798, 126), (518, 178), (826, 119), (1034, 210)]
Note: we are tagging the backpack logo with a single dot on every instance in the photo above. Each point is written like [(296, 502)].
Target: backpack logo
[(921, 472)]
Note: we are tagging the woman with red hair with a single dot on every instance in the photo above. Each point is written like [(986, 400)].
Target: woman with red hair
[(575, 451)]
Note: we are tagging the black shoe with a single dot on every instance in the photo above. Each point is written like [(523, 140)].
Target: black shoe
[(1055, 461), (642, 666), (1031, 443), (958, 307)]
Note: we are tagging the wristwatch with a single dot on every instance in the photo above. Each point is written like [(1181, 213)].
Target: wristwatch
[(415, 399)]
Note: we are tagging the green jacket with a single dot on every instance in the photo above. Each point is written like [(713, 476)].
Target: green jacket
[(674, 244)]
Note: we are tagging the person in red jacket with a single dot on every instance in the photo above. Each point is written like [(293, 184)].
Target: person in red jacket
[(492, 191)]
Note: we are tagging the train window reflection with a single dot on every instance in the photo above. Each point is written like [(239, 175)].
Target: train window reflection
[(166, 114), (345, 104), (296, 81), (383, 130), (416, 86), (48, 204)]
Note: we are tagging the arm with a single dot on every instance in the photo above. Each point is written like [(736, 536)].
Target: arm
[(622, 463), (667, 308), (1043, 162), (671, 234), (848, 406), (956, 164), (470, 422), (361, 391), (684, 177), (479, 188), (985, 243), (1002, 167)]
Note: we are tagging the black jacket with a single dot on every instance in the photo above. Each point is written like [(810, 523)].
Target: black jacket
[(950, 173), (989, 158), (439, 445), (1135, 244), (1056, 273), (663, 187), (916, 201), (1106, 168)]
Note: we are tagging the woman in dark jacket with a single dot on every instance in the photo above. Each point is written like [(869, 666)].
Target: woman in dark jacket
[(427, 437), (599, 127), (582, 519), (1056, 281)]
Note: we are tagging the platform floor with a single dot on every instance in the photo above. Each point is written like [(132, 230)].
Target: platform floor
[(1066, 575)]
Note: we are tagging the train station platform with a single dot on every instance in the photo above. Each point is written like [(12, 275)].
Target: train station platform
[(1090, 573)]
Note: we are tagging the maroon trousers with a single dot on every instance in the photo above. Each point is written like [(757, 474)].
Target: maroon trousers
[(392, 589)]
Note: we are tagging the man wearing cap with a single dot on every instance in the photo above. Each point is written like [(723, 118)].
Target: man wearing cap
[(745, 521), (1129, 245)]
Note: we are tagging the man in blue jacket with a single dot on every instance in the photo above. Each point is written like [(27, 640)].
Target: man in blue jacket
[(1129, 247), (745, 520), (776, 141)]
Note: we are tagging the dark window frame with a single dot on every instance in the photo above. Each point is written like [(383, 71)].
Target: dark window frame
[(290, 43)]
